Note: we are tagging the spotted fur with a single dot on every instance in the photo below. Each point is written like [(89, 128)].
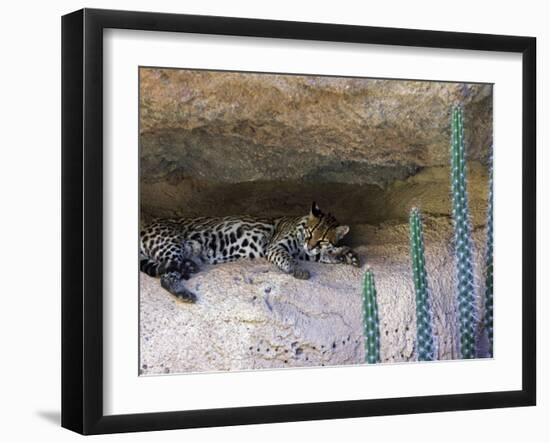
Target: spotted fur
[(170, 249)]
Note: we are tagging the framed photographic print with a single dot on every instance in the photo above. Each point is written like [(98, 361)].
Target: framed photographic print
[(269, 221)]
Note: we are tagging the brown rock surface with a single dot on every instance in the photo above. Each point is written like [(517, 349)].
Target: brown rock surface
[(235, 127), (350, 203)]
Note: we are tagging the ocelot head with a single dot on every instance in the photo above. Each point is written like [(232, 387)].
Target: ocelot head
[(322, 231)]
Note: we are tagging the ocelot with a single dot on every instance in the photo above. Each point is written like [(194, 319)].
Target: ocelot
[(170, 248)]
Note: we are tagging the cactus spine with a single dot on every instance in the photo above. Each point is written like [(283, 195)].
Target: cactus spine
[(467, 311), (488, 318), (370, 320), (424, 329)]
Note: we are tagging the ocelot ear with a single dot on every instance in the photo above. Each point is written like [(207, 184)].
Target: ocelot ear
[(341, 231), (315, 211)]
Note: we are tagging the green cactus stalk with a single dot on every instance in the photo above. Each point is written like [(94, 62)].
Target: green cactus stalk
[(424, 329), (467, 308), (370, 320), (488, 317)]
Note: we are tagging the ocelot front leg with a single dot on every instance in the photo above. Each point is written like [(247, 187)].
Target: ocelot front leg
[(279, 255), (340, 254), (333, 255)]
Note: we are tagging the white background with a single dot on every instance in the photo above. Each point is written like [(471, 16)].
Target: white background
[(30, 185)]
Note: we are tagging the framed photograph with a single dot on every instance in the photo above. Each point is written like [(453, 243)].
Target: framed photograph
[(269, 221)]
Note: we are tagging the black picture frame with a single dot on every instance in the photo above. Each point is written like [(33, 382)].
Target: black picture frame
[(82, 215)]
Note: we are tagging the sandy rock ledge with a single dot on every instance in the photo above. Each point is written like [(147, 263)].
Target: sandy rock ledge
[(249, 315)]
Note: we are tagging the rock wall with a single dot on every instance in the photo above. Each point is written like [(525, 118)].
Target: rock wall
[(247, 127), (260, 143), (350, 203)]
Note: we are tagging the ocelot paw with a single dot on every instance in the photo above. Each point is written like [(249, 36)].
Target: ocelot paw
[(172, 282), (188, 267), (350, 257), (302, 274)]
